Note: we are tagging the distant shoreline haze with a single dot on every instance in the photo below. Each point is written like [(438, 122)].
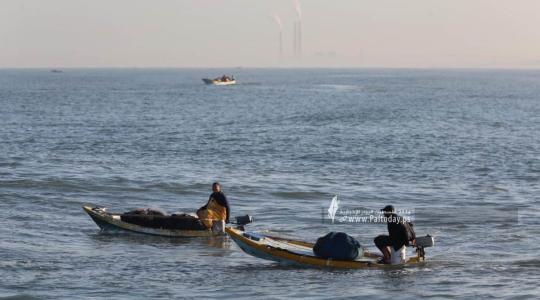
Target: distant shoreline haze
[(269, 34)]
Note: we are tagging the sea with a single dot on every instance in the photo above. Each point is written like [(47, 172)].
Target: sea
[(456, 150)]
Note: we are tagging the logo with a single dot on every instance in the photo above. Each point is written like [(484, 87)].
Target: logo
[(339, 214), (333, 208)]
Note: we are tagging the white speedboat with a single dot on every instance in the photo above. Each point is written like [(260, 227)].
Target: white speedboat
[(224, 80)]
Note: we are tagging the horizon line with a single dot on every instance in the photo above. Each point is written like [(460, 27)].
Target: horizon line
[(274, 67)]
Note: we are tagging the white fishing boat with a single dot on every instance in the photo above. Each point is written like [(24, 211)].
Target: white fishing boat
[(223, 80)]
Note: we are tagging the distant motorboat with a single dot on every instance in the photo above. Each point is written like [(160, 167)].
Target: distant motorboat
[(223, 80), (56, 71)]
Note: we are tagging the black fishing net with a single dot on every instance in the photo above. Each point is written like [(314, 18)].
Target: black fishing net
[(152, 219)]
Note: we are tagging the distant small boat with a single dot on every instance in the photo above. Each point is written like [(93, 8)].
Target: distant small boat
[(224, 80), (56, 71)]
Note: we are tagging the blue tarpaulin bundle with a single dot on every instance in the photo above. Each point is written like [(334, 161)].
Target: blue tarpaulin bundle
[(337, 245)]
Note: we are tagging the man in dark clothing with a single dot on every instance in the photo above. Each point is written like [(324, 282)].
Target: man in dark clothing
[(400, 234), (217, 207)]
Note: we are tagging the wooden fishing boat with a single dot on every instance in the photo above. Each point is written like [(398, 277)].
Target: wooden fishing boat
[(113, 222), (300, 253)]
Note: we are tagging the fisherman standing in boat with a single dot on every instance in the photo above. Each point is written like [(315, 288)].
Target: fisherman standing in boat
[(401, 234), (217, 208)]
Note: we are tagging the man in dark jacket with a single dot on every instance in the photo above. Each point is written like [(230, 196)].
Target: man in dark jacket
[(400, 234), (217, 208)]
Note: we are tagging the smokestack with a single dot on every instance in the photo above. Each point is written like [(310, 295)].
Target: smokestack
[(298, 29), (277, 19), (280, 44), (295, 41), (300, 38)]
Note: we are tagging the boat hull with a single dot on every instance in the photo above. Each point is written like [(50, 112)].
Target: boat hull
[(278, 250), (112, 222), (218, 82)]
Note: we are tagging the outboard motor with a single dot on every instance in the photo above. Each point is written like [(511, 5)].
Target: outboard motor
[(243, 220), (422, 243)]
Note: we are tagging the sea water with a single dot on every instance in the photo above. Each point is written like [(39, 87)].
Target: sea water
[(457, 150)]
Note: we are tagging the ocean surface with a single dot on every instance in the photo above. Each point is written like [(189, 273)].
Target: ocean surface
[(458, 149)]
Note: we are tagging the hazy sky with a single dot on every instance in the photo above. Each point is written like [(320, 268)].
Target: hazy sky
[(219, 33)]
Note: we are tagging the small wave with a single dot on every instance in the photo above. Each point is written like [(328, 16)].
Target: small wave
[(498, 124), (10, 164), (342, 87), (20, 297), (534, 170), (482, 170), (300, 195), (18, 183), (500, 189), (250, 83), (529, 263), (64, 184), (178, 188), (375, 89)]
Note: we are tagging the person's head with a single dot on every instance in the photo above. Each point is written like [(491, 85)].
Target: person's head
[(216, 187), (388, 210)]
